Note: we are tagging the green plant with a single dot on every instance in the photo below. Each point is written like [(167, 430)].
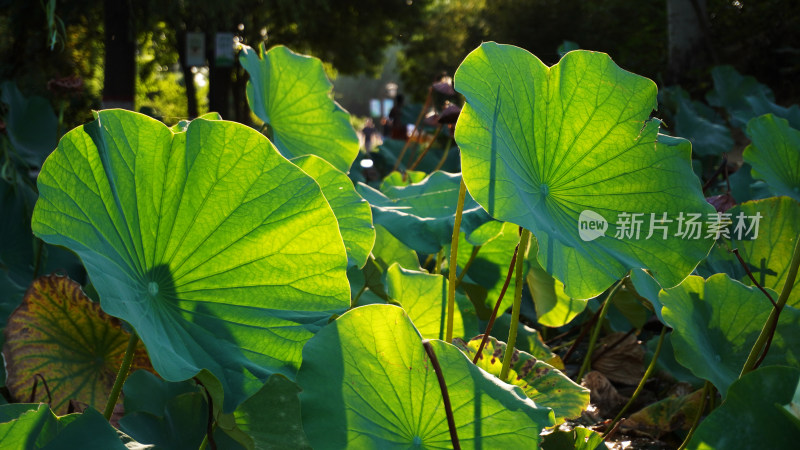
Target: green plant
[(280, 305)]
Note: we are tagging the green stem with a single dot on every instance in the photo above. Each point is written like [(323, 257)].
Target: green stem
[(706, 392), (444, 155), (644, 379), (354, 301), (439, 257), (427, 148), (497, 304), (127, 360), (512, 332), (772, 321), (587, 360), (471, 259), (451, 285)]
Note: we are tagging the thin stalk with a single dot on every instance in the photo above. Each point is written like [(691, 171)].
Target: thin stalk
[(720, 169), (211, 424), (584, 331), (772, 321), (644, 379), (416, 130), (451, 285), (471, 259), (37, 264), (752, 278), (444, 155), (427, 148), (354, 301), (127, 360), (492, 318), (439, 258), (448, 409), (512, 332), (587, 360), (427, 261), (696, 421)]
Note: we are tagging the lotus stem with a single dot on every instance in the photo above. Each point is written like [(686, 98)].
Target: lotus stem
[(448, 409), (512, 332), (427, 148), (493, 317), (706, 392), (471, 259), (587, 360), (644, 379), (772, 321), (451, 275), (444, 155), (124, 368)]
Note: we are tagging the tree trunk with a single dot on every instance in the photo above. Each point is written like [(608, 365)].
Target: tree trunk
[(188, 76), (687, 28), (219, 81), (119, 82)]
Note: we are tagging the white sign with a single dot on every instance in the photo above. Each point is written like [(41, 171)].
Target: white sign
[(223, 51)]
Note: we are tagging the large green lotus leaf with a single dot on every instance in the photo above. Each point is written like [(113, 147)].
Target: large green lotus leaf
[(700, 124), (490, 266), (16, 252), (402, 179), (59, 334), (424, 298), (422, 215), (750, 416), (648, 288), (554, 308), (541, 382), (744, 98), (271, 417), (352, 212), (775, 154), (169, 415), (222, 254), (560, 148), (745, 188), (37, 428), (368, 383), (292, 94), (31, 124), (182, 125), (717, 321), (389, 250), (485, 233), (768, 255)]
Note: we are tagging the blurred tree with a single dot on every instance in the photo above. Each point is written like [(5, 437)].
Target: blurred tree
[(759, 38), (635, 36), (119, 84)]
